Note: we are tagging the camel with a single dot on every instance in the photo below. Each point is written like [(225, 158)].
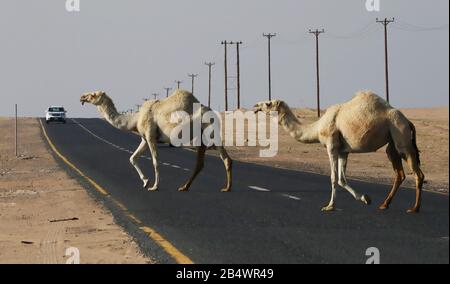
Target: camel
[(362, 125), (152, 124)]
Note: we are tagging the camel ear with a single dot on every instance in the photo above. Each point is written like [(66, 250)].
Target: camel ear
[(269, 104), (277, 104)]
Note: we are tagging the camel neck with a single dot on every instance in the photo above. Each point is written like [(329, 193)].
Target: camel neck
[(305, 133), (120, 121)]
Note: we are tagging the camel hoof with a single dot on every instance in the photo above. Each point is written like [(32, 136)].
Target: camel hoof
[(183, 189), (383, 207), (366, 199), (225, 190), (146, 182), (153, 188), (328, 209), (413, 210)]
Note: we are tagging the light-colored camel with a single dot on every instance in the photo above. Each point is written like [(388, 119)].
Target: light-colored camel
[(152, 124), (362, 125)]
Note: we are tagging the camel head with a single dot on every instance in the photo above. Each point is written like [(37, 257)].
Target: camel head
[(268, 106), (95, 98)]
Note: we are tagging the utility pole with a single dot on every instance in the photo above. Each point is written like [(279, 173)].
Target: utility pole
[(193, 76), (178, 83), (225, 43), (155, 95), (167, 91), (385, 23), (210, 65), (137, 108), (269, 36), (145, 99), (15, 131), (316, 33), (238, 43)]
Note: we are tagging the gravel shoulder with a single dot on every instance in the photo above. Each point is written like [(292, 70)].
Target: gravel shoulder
[(43, 211)]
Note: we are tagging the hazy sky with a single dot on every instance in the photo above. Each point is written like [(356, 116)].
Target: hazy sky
[(133, 48)]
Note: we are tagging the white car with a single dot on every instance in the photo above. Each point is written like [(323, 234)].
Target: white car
[(55, 113)]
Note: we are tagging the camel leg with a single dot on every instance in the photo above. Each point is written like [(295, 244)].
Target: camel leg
[(396, 161), (154, 152), (134, 161), (228, 163), (333, 155), (343, 157), (198, 167), (414, 166)]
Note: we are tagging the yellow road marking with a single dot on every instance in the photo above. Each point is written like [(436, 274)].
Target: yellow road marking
[(135, 219), (96, 186), (119, 204), (168, 247), (160, 240)]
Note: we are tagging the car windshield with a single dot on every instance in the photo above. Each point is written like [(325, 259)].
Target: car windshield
[(56, 109)]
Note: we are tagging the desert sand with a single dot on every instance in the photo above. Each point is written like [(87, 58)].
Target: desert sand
[(34, 191), (432, 137)]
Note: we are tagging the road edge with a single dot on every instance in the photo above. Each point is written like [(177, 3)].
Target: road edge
[(151, 243)]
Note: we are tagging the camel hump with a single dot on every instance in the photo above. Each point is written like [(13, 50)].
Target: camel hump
[(179, 100), (368, 96), (182, 96), (370, 100)]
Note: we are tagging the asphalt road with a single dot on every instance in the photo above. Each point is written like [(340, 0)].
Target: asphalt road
[(271, 216)]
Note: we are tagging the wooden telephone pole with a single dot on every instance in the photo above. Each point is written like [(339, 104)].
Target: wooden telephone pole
[(193, 76), (317, 33), (210, 65), (385, 23), (225, 43), (238, 73), (167, 91), (178, 83), (269, 37)]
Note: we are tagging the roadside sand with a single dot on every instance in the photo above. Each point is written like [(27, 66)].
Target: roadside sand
[(33, 191), (432, 138)]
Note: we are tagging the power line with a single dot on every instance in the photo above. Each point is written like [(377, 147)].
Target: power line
[(415, 28), (385, 23), (251, 44), (317, 33), (299, 41), (269, 37), (364, 31)]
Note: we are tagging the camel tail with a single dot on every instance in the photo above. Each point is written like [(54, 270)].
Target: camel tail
[(414, 141)]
